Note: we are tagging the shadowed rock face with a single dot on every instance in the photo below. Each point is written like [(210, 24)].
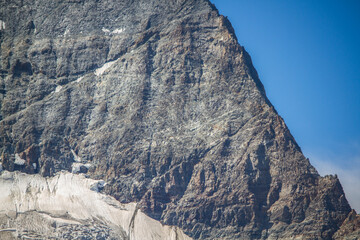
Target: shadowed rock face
[(159, 99)]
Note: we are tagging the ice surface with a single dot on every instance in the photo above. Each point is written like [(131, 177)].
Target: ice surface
[(71, 193)]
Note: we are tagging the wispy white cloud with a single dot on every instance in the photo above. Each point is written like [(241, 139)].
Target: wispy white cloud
[(347, 169)]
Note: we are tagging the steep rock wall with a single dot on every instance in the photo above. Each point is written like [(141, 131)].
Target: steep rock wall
[(158, 99)]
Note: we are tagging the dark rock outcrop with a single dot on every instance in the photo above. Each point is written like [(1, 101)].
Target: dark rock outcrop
[(350, 229), (162, 102)]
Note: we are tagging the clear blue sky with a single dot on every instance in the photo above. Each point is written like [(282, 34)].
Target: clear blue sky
[(307, 54)]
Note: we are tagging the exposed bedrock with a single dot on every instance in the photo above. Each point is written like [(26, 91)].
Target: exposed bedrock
[(160, 100)]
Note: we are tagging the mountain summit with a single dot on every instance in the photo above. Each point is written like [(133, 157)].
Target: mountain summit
[(159, 100)]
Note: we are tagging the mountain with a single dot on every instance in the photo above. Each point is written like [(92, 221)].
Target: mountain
[(159, 100)]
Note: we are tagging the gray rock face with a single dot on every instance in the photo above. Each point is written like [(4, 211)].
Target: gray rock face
[(350, 229), (158, 99)]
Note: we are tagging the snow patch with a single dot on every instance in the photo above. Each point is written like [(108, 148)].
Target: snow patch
[(1, 167), (105, 30), (118, 30), (58, 89), (19, 160), (2, 25), (88, 165), (67, 32), (71, 194), (79, 79), (34, 165), (115, 31), (101, 70)]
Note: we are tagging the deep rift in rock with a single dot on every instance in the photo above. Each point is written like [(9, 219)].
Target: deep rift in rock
[(159, 99)]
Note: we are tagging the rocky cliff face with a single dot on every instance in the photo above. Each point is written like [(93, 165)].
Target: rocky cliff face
[(158, 99)]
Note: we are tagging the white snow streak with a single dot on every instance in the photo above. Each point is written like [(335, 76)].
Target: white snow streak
[(79, 79), (76, 157), (58, 89), (101, 70), (2, 25), (105, 30), (115, 31)]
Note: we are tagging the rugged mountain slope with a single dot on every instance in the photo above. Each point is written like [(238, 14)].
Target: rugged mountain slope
[(158, 99)]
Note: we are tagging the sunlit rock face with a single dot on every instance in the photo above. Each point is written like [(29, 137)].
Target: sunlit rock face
[(159, 100)]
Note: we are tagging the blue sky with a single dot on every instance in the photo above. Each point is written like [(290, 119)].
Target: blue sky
[(307, 54)]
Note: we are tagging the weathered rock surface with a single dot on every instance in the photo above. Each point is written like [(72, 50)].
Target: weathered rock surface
[(158, 99), (350, 229)]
